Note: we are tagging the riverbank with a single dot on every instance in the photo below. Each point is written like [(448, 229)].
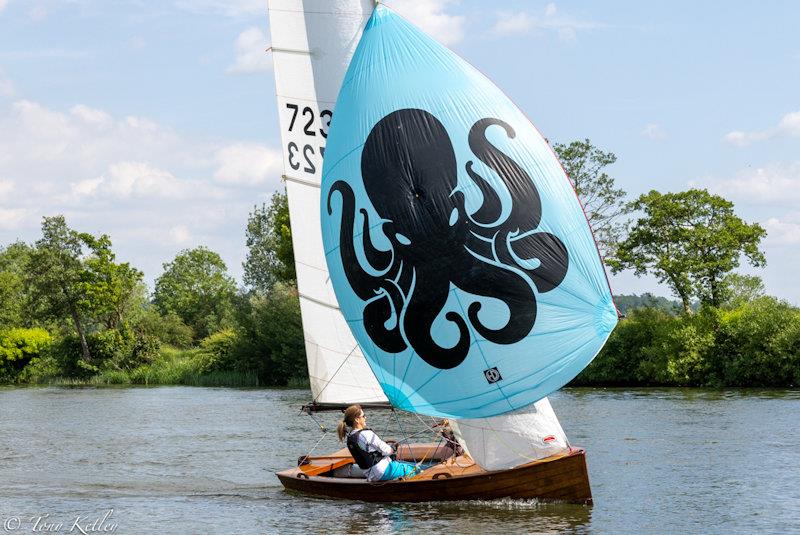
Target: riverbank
[(172, 366), (753, 344)]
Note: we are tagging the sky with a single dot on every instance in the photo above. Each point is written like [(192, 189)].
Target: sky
[(155, 122)]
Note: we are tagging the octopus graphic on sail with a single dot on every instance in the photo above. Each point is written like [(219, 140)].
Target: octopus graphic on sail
[(457, 248), (435, 243)]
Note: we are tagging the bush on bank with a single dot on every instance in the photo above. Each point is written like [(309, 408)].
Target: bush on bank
[(754, 344), (20, 348)]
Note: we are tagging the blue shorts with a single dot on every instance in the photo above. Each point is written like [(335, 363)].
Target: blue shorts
[(398, 469)]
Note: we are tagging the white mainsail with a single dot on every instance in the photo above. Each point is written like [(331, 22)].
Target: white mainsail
[(312, 44)]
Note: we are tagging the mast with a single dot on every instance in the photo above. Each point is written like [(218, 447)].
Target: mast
[(312, 44)]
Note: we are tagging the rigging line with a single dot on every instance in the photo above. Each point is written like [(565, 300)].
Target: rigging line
[(298, 180), (317, 444), (328, 382), (321, 426), (311, 266), (418, 433), (306, 99), (402, 432), (432, 448), (274, 49), (317, 301), (326, 348), (360, 14)]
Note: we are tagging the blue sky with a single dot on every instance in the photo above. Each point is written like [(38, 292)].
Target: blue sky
[(155, 122)]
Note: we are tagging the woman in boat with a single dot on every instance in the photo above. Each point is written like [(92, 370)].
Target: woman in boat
[(372, 454)]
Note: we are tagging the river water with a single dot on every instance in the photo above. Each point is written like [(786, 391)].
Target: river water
[(202, 460)]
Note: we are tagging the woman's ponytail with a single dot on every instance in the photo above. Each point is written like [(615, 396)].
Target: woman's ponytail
[(348, 420)]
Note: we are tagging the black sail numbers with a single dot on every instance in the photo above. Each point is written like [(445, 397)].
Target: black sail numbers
[(410, 175)]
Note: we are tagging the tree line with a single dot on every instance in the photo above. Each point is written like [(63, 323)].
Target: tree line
[(69, 309)]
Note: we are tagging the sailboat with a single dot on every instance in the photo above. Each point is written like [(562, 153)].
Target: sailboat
[(445, 266)]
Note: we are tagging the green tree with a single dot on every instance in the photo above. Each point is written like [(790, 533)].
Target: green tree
[(271, 336), (691, 240), (72, 278), (55, 277), (13, 295), (196, 286), (602, 201), (270, 256), (627, 303), (111, 290), (741, 289)]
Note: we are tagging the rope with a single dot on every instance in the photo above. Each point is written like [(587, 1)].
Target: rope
[(402, 432), (324, 433), (321, 426), (435, 448)]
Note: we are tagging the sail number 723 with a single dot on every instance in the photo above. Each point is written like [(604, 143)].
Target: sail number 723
[(310, 124)]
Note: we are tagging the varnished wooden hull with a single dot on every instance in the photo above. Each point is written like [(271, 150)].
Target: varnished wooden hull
[(561, 477)]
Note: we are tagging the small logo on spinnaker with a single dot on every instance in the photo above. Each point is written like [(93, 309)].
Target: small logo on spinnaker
[(548, 439), (492, 375)]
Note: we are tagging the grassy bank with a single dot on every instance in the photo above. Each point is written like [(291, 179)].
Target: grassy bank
[(172, 366)]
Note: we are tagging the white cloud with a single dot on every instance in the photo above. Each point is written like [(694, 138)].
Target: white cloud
[(11, 218), (511, 23), (782, 232), (91, 115), (6, 87), (137, 43), (567, 33), (774, 184), (180, 234), (151, 189), (226, 8), (37, 13), (86, 187), (40, 143), (3, 4), (6, 187), (565, 26), (248, 164), (139, 179), (654, 131), (432, 18), (788, 126), (251, 53)]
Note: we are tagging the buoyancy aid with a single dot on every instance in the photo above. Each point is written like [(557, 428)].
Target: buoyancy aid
[(364, 459)]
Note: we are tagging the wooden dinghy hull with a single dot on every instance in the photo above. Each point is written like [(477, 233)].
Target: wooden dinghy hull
[(563, 477)]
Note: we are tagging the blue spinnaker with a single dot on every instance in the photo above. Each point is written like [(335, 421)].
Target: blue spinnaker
[(457, 248)]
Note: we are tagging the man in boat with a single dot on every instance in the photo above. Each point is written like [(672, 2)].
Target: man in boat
[(451, 447), (371, 454)]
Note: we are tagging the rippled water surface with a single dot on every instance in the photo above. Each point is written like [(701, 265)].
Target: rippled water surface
[(202, 460)]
